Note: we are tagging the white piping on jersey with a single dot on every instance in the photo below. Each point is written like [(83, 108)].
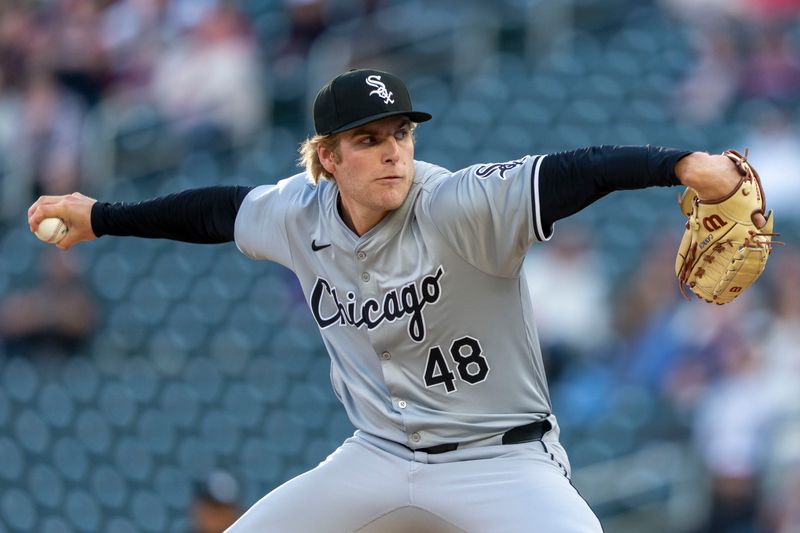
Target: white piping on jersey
[(539, 231)]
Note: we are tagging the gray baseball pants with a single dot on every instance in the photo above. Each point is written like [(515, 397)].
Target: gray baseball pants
[(369, 485)]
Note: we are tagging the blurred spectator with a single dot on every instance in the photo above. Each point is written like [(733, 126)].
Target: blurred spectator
[(732, 417), (186, 14), (133, 33), (703, 11), (708, 333), (56, 316), (713, 80), (772, 68), (700, 12), (646, 318), (42, 151), (774, 9), (567, 288), (214, 508), (136, 32), (16, 25), (307, 21), (782, 336), (78, 56), (774, 146), (788, 519), (211, 83), (781, 486)]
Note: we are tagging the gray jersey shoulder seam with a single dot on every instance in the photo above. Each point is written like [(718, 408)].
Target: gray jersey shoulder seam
[(289, 246), (444, 239), (431, 180)]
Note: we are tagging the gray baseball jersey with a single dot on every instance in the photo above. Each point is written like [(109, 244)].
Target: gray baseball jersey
[(426, 317)]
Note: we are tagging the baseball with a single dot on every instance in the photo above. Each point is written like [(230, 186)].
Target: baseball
[(51, 230)]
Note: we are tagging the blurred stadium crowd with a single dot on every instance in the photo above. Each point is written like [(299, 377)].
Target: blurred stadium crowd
[(157, 386)]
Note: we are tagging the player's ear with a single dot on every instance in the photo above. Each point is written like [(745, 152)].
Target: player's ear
[(327, 158)]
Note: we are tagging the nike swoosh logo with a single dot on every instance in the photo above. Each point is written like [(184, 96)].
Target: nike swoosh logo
[(317, 247)]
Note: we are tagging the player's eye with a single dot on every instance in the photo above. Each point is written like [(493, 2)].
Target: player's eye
[(368, 139), (401, 134)]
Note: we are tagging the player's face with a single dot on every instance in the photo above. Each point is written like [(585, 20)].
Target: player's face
[(374, 169)]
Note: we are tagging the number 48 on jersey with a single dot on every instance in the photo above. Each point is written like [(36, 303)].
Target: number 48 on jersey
[(466, 356)]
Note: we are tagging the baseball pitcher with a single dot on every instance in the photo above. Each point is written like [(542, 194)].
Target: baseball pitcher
[(412, 273)]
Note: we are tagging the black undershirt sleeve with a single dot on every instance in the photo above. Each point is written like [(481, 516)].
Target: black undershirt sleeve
[(570, 181), (205, 216)]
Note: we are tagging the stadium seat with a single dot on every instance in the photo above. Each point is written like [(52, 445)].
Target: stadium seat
[(196, 457), (55, 524), (55, 405), (181, 403), (45, 485), (174, 488), (31, 431), (220, 432), (110, 487), (70, 459), (17, 510), (83, 511), (19, 251), (259, 461), (168, 353), (117, 404), (148, 511), (12, 465), (80, 377), (93, 431), (156, 432), (284, 432), (244, 405), (20, 379), (308, 403), (202, 374), (268, 378), (150, 300), (140, 378), (174, 271), (121, 525), (132, 459), (111, 276)]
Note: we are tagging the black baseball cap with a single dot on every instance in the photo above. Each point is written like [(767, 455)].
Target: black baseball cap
[(359, 96)]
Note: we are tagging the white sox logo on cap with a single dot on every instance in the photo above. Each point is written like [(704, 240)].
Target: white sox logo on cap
[(343, 104), (380, 89)]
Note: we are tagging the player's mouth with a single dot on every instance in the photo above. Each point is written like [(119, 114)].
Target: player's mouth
[(390, 178)]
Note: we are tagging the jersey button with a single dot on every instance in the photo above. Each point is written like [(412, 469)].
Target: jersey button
[(386, 356), (361, 255), (365, 277), (416, 437), (402, 404)]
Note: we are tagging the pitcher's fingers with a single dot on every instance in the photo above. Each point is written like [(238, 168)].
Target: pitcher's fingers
[(44, 211), (43, 200), (66, 243)]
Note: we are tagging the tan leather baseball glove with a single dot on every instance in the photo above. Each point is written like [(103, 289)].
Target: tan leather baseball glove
[(722, 251)]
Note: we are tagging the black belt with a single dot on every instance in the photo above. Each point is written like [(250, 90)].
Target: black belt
[(517, 435)]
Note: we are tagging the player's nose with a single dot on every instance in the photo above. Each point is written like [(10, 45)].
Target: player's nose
[(391, 150)]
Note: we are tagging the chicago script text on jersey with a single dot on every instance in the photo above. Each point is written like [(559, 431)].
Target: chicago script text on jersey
[(409, 299)]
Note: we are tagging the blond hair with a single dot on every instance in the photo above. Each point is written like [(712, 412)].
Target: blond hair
[(309, 158)]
